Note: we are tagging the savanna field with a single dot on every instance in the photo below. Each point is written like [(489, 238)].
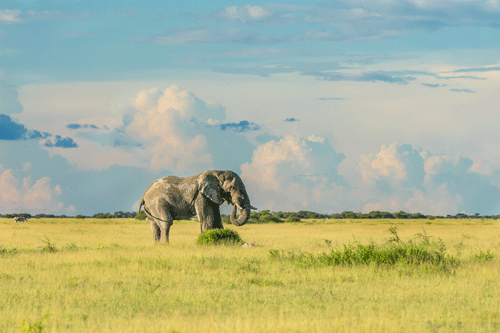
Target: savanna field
[(106, 275)]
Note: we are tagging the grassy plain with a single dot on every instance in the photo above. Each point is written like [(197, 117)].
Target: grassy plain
[(67, 275)]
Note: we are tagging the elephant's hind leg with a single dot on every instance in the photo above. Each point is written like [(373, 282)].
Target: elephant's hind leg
[(155, 228), (160, 220)]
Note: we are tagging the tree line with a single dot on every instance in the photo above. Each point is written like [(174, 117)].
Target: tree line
[(266, 216)]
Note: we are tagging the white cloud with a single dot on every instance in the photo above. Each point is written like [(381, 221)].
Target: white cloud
[(166, 124), (396, 162), (10, 16), (301, 174), (245, 14), (26, 198), (295, 173), (401, 177), (159, 130)]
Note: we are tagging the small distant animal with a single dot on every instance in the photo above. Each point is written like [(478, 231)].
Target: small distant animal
[(20, 219)]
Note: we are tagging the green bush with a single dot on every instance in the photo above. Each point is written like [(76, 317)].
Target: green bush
[(141, 216), (219, 236)]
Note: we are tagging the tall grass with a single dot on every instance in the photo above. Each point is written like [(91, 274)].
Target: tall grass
[(111, 277), (421, 250)]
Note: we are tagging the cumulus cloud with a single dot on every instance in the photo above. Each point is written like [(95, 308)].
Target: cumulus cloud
[(295, 173), (166, 124), (401, 177), (160, 130), (298, 173), (399, 164), (23, 196)]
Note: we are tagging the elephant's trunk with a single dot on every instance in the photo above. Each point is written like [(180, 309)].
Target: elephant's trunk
[(244, 216)]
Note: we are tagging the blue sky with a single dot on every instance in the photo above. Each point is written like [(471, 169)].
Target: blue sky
[(318, 105)]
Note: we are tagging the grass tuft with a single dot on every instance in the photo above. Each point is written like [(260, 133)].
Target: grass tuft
[(49, 246), (71, 246), (36, 327), (482, 256), (6, 251), (219, 237), (423, 251)]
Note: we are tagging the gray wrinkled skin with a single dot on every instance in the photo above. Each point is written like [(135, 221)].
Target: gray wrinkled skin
[(172, 198)]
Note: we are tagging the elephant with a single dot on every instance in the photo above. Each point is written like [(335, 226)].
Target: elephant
[(173, 198), (20, 219)]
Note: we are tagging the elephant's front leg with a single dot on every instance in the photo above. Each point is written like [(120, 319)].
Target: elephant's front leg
[(208, 213)]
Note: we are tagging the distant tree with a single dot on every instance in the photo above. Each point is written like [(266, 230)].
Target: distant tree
[(119, 214), (401, 215), (102, 216), (349, 215)]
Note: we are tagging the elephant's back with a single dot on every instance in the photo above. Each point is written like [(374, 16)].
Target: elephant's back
[(173, 180)]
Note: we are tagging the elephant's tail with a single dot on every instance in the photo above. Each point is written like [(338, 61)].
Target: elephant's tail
[(140, 205)]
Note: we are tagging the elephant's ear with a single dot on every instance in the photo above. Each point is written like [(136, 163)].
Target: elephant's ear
[(209, 186)]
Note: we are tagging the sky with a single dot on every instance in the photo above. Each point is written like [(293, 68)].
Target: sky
[(326, 106)]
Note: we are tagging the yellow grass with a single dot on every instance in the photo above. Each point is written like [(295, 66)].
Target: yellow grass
[(108, 276)]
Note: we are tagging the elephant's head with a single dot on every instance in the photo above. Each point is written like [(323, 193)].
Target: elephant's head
[(226, 186)]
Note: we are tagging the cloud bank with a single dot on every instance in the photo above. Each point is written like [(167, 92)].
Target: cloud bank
[(172, 131)]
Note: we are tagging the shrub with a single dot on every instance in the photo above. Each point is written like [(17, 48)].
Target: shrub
[(219, 236), (141, 216)]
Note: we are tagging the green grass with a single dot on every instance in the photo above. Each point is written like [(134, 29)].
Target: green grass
[(109, 276)]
